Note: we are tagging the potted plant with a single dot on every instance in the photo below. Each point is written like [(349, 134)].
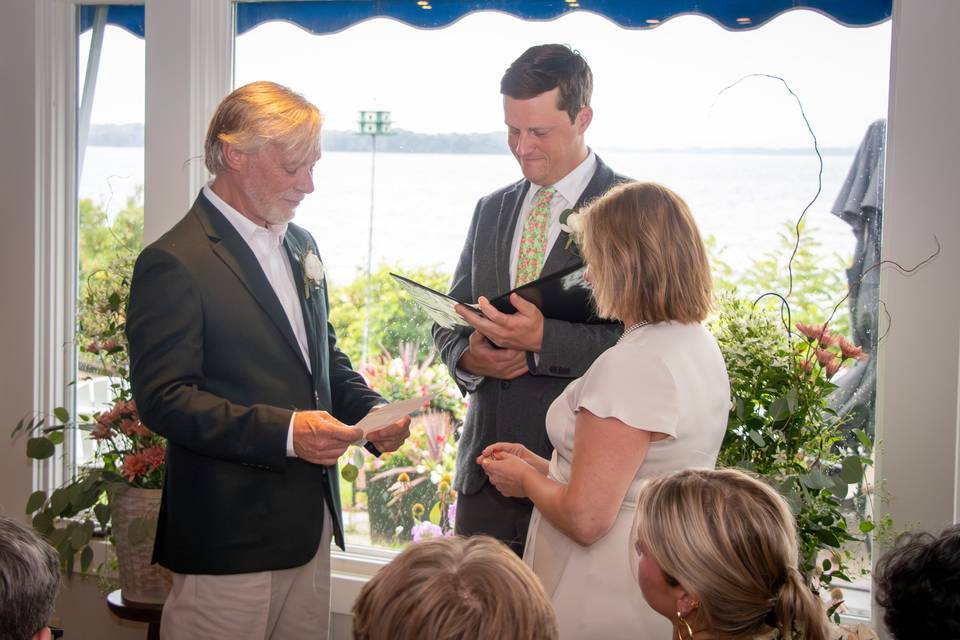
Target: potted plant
[(118, 490), (781, 427)]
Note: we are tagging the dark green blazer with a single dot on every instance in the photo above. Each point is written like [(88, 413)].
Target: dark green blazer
[(216, 369)]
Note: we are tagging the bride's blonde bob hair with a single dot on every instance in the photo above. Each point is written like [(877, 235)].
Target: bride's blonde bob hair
[(259, 113), (729, 540), (646, 258)]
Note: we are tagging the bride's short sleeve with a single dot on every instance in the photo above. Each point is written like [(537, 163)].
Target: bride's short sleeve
[(634, 387)]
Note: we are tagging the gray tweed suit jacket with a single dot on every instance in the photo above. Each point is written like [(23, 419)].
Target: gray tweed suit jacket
[(515, 410)]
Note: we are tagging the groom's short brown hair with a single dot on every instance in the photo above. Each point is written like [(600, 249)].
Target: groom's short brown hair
[(545, 67)]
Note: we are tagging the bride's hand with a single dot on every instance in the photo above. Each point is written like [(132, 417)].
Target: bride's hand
[(513, 448), (506, 472)]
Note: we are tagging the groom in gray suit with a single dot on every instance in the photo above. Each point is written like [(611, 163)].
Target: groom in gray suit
[(514, 366)]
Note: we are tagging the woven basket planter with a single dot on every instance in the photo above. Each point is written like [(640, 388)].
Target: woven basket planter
[(133, 514)]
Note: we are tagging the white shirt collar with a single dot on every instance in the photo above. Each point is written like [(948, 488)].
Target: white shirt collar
[(246, 227)]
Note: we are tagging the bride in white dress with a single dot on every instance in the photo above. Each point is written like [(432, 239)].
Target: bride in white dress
[(655, 402)]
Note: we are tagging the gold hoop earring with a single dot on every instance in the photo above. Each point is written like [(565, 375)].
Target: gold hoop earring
[(683, 625)]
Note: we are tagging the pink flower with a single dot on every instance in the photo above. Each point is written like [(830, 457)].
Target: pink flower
[(832, 368), (92, 347), (101, 431), (826, 358), (849, 350), (154, 456), (134, 465), (814, 331), (426, 530)]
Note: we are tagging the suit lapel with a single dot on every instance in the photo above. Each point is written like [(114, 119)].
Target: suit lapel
[(506, 227), (233, 250), (561, 256), (309, 307)]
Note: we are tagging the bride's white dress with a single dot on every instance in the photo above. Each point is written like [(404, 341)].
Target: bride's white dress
[(668, 378)]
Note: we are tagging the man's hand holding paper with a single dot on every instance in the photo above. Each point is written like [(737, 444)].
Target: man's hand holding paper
[(388, 425)]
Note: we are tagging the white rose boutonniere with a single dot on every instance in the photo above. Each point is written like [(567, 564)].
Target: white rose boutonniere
[(312, 272), (572, 222)]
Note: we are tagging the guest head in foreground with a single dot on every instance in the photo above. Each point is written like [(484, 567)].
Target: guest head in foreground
[(718, 557), (29, 581), (647, 262), (454, 589), (918, 585)]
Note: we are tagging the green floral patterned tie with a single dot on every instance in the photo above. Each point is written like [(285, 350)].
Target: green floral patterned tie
[(533, 241)]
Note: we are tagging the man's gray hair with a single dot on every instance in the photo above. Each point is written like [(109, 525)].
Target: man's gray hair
[(29, 581)]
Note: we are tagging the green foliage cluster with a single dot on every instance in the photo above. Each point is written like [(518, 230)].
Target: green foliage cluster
[(782, 428), (818, 283), (394, 318), (69, 516)]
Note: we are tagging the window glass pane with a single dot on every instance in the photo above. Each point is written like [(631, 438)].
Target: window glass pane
[(672, 105), (110, 209)]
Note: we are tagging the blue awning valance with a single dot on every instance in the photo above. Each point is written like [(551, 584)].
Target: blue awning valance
[(329, 16)]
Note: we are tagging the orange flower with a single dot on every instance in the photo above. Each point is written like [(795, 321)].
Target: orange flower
[(816, 332), (849, 350), (134, 466), (826, 358)]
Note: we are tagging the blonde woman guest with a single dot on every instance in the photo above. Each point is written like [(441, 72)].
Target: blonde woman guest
[(454, 589), (656, 401), (718, 558)]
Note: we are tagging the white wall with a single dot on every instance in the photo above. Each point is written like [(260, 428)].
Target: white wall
[(918, 362)]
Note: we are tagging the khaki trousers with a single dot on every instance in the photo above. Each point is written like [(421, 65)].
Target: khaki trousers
[(289, 604)]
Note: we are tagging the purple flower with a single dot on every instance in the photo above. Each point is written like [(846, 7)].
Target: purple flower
[(426, 531), (452, 514)]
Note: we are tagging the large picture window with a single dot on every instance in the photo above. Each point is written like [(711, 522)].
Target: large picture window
[(703, 110)]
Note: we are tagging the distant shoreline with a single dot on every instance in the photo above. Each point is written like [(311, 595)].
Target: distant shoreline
[(402, 141)]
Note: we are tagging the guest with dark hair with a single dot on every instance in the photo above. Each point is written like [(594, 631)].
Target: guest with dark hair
[(454, 589), (918, 584), (29, 581)]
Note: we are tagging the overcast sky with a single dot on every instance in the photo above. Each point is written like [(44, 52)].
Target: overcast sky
[(653, 88)]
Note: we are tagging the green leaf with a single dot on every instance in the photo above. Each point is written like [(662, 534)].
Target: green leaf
[(863, 438), (79, 537), (792, 397), (829, 538), (826, 564), (780, 409), (435, 513), (840, 487), (57, 536), (816, 479), (59, 501), (36, 500), (43, 522), (757, 438), (852, 470), (739, 409), (61, 414), (349, 472), (56, 437), (102, 511), (40, 448), (86, 557), (866, 526)]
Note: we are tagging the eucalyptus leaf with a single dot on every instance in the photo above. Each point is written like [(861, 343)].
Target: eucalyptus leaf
[(36, 500), (757, 438), (852, 470), (61, 414), (79, 537), (40, 448), (86, 558), (863, 438), (866, 526), (59, 501), (816, 479), (102, 511), (780, 409), (56, 437)]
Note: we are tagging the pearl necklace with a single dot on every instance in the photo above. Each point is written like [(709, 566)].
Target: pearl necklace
[(631, 329)]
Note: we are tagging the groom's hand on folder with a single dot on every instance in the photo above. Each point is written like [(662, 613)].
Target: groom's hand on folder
[(522, 330), (483, 359)]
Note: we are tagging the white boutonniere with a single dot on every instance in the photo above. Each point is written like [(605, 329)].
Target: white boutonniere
[(312, 272), (571, 221)]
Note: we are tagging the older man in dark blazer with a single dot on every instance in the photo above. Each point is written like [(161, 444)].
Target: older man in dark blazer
[(234, 362), (515, 366)]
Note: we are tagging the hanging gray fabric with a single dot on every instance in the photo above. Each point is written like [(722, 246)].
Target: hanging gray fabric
[(860, 204)]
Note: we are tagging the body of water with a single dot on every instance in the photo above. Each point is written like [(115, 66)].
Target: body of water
[(424, 202)]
